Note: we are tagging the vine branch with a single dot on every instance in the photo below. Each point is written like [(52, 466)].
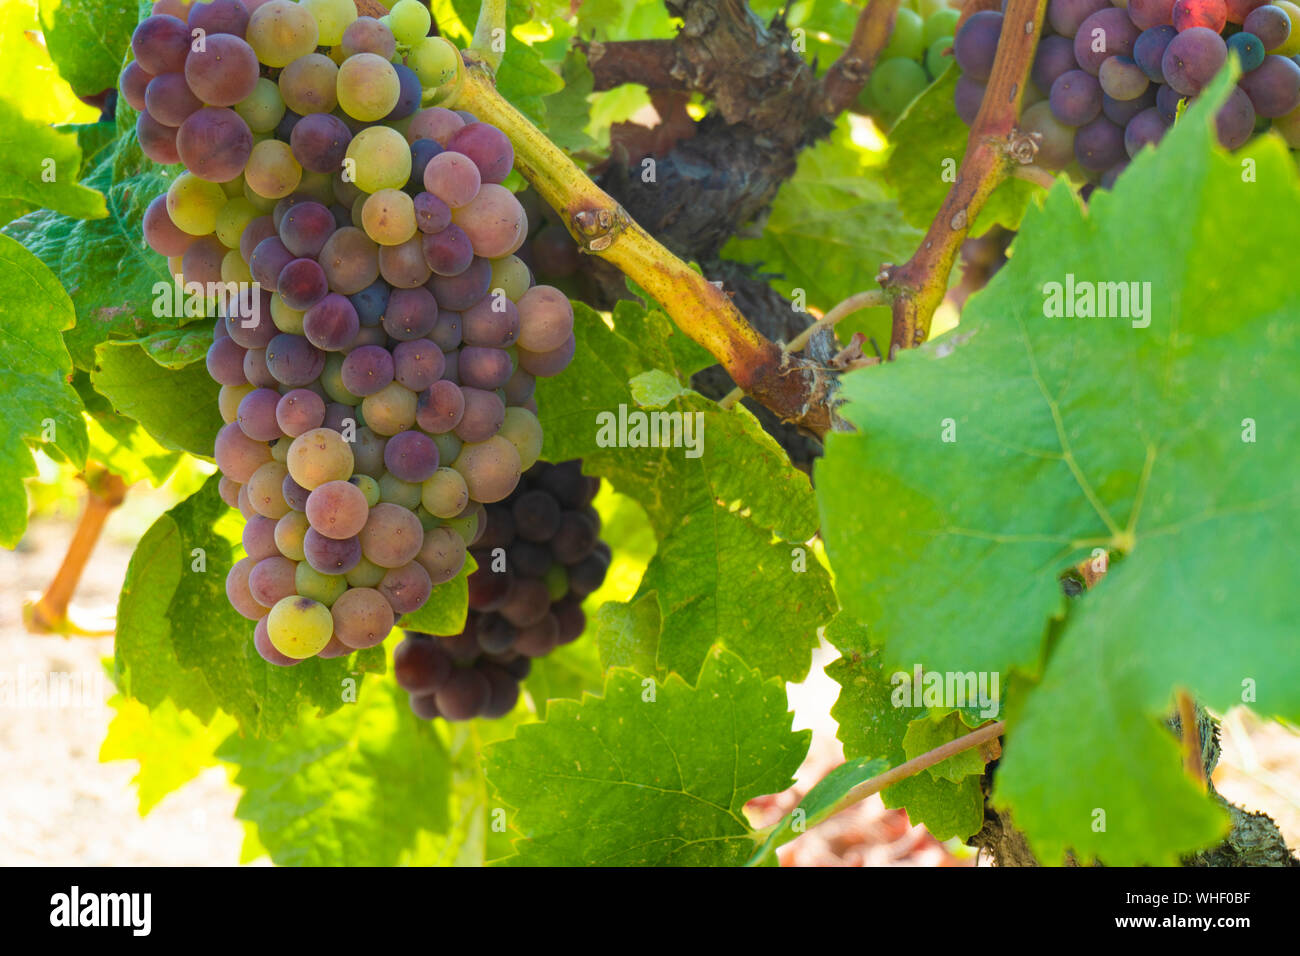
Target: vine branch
[(848, 74), (995, 147)]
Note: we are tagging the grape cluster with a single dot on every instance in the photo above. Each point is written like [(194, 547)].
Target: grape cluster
[(920, 48), (1108, 80), (377, 390), (538, 557)]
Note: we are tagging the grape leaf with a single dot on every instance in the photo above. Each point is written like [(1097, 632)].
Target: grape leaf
[(622, 780), (86, 40), (929, 142), (832, 225), (626, 20), (568, 671), (1155, 434), (38, 406), (825, 26), (179, 638), (360, 787), (447, 607), (621, 629), (119, 443)]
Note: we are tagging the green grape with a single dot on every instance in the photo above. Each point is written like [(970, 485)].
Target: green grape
[(319, 186), (280, 453), (381, 159), (233, 188), (231, 220), (521, 428), (272, 170), (369, 487), (318, 456), (298, 626), (366, 574), (368, 87), (941, 23), (331, 380), (194, 204), (389, 217), (448, 446), (308, 84), (936, 59), (466, 526), (325, 588), (428, 520), (445, 494), (228, 399), (511, 275), (332, 18), (895, 83), (280, 32), (285, 319), (234, 268), (397, 492), (260, 203), (289, 533), (410, 21), (908, 39), (262, 109), (435, 61)]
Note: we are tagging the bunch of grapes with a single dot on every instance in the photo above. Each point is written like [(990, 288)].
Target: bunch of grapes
[(377, 390), (538, 557), (1108, 80), (919, 50)]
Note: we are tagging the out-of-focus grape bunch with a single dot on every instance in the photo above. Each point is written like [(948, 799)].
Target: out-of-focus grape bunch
[(919, 50), (377, 382), (1109, 80), (538, 557)]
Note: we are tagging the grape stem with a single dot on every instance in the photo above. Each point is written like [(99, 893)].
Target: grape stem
[(797, 390), (491, 19), (850, 72), (995, 148), (1036, 175)]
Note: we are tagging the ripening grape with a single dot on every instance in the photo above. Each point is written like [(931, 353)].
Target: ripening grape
[(330, 555), (368, 87), (318, 456), (272, 171), (350, 259), (453, 178), (258, 538), (411, 314), (441, 407), (1211, 14), (976, 43), (256, 415), (337, 509), (237, 455), (1122, 79), (510, 274), (368, 35), (362, 617), (134, 82), (389, 217), (264, 488), (319, 142), (449, 251), (547, 364), (404, 266), (444, 493), (308, 84), (436, 123), (237, 592), (392, 535), (490, 468), (333, 17), (201, 261), (169, 99), (219, 16), (1271, 24), (325, 588), (1192, 58), (1146, 14), (298, 626), (193, 204), (389, 410), (331, 324), (487, 147), (289, 533), (160, 44), (281, 32), (464, 289), (494, 221), (302, 284), (435, 61), (224, 72), (1235, 120), (271, 580), (1108, 32), (393, 490)]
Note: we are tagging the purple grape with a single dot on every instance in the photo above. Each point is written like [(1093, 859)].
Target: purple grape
[(302, 284), (1235, 120), (411, 456), (269, 259), (409, 93), (411, 313), (484, 413), (432, 215), (1117, 35), (1075, 98), (488, 147), (1149, 50), (1055, 56), (460, 292), (1148, 127), (319, 142), (298, 411), (448, 252), (331, 555), (214, 143), (422, 150), (976, 44), (1192, 58), (1147, 14), (968, 97), (338, 417), (367, 370), (1066, 15), (304, 227), (226, 362), (331, 324), (1167, 100), (257, 371), (258, 230), (1274, 88), (1120, 112), (157, 141), (370, 303), (1270, 23), (492, 322), (169, 99), (1099, 145), (294, 361), (219, 16), (447, 334), (256, 417), (440, 408), (484, 368), (160, 44), (417, 364)]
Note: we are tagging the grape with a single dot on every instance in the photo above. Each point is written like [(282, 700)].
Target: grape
[(444, 493), (432, 215), (237, 592), (367, 370), (530, 559), (1146, 14), (229, 397), (256, 370), (333, 18), (425, 706), (411, 314), (527, 604), (493, 220), (1167, 100), (263, 109), (448, 252), (325, 588), (390, 410), (545, 319), (453, 178), (1238, 10), (201, 261), (389, 217), (490, 468), (487, 147), (350, 259), (461, 291), (281, 32), (318, 456), (495, 635), (1235, 121), (394, 491), (1122, 78), (464, 695), (1271, 24), (572, 621), (1120, 112), (368, 450), (245, 508), (257, 416), (1249, 51), (1055, 56), (1148, 127), (447, 333), (575, 537), (565, 482), (411, 456), (337, 509), (588, 574), (302, 284), (511, 276), (408, 96), (225, 361), (368, 87), (256, 232), (224, 72), (298, 626), (410, 21), (319, 142), (157, 141), (305, 228), (521, 428), (307, 85), (435, 123), (1192, 58), (1107, 32), (233, 221), (331, 324), (435, 61), (259, 538), (265, 490), (420, 665), (368, 35), (272, 172), (381, 159), (169, 100), (417, 364), (484, 368), (422, 151), (968, 97), (1211, 14), (370, 303), (392, 536), (894, 83), (976, 43), (289, 533), (269, 259), (406, 588), (219, 16), (1149, 51), (404, 266), (271, 580), (1273, 88), (520, 385), (555, 254), (1099, 145), (134, 82), (160, 44), (536, 515), (547, 364), (330, 555), (441, 407)]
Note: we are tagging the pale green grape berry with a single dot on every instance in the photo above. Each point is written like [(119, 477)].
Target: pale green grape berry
[(299, 627), (908, 39), (310, 583), (333, 17), (936, 60), (895, 83), (435, 61), (941, 23), (409, 20)]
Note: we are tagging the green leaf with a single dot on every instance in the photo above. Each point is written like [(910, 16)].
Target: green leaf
[(627, 633), (120, 443), (365, 786), (38, 406), (447, 607), (622, 780), (818, 804), (626, 20), (832, 225), (179, 638), (177, 405), (827, 25), (569, 111), (86, 40), (929, 733), (1164, 439), (568, 671), (929, 142)]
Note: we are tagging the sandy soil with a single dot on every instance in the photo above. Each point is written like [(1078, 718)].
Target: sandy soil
[(60, 806)]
